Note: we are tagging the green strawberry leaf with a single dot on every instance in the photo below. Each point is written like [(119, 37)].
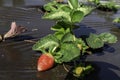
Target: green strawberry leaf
[(108, 37), (46, 43), (94, 41), (73, 4), (58, 15), (50, 6), (85, 9), (68, 52), (77, 16), (68, 37)]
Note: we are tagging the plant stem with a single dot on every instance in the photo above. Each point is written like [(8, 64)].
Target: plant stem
[(66, 69), (30, 41)]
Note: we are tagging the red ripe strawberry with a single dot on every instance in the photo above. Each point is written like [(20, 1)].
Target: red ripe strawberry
[(45, 62)]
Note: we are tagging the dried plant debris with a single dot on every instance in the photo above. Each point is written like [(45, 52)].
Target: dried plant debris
[(0, 37), (14, 31)]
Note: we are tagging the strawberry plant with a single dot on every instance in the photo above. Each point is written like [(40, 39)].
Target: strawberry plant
[(63, 45), (105, 6), (116, 20)]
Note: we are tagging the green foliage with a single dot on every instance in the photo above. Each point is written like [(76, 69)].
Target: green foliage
[(64, 50), (108, 38), (68, 37), (76, 16), (116, 20), (61, 25), (98, 41), (95, 1), (86, 9), (72, 12), (61, 28), (82, 45), (94, 41), (69, 51), (46, 43), (81, 70), (105, 6), (109, 6), (63, 44), (73, 4)]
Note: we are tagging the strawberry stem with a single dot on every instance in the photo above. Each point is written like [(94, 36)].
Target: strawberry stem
[(66, 69)]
